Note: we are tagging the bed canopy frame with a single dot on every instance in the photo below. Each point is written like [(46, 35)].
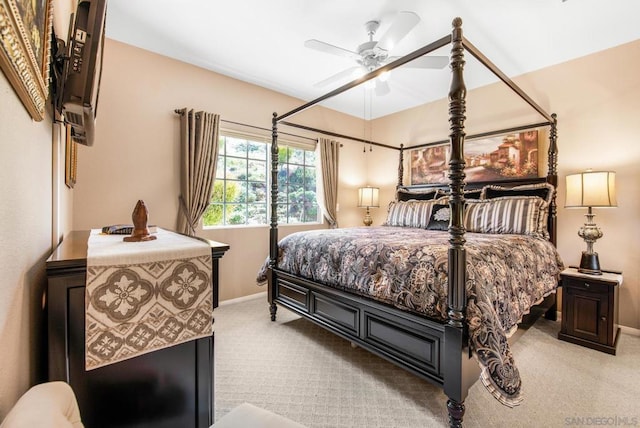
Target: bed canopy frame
[(448, 362)]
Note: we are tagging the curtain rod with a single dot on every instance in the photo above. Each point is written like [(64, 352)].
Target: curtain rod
[(179, 111)]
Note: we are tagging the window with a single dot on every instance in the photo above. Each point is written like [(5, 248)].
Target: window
[(241, 191), (296, 186)]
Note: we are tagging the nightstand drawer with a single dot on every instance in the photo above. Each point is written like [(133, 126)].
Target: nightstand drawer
[(586, 285)]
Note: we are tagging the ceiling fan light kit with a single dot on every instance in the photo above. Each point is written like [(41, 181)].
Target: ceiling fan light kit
[(371, 54)]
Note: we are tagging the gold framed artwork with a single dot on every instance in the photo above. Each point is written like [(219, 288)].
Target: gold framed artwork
[(25, 50), (503, 157), (71, 159)]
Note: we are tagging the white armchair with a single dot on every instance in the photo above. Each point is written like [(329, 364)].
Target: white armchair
[(47, 405)]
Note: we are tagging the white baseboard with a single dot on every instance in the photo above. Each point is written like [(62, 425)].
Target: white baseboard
[(262, 294), (629, 330)]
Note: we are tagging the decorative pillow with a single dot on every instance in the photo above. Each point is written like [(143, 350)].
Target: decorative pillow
[(546, 191), (473, 194), (468, 194), (398, 213), (440, 216), (410, 213), (515, 214), (407, 195), (541, 190)]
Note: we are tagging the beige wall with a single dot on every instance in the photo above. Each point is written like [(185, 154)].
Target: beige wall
[(135, 155), (25, 231), (35, 213), (597, 99)]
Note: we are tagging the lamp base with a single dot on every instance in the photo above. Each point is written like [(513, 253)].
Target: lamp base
[(590, 264), (367, 220)]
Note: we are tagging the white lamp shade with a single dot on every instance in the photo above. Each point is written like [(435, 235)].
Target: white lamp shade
[(368, 197), (591, 189)]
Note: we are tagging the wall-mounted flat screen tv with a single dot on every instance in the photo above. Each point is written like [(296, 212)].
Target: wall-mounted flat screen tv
[(80, 60)]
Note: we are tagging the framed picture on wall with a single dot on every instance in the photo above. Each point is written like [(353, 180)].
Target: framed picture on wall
[(502, 157), (71, 159), (25, 50)]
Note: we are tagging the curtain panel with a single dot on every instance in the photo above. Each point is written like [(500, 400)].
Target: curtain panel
[(198, 157), (329, 159)]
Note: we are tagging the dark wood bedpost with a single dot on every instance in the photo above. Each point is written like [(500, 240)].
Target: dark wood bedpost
[(458, 366), (273, 232), (457, 254), (552, 175), (400, 167)]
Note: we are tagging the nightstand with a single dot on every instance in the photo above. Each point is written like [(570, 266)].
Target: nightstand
[(590, 309)]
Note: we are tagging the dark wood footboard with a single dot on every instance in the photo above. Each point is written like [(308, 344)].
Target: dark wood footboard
[(412, 342)]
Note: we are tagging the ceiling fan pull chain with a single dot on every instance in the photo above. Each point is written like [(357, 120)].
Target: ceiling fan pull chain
[(370, 124)]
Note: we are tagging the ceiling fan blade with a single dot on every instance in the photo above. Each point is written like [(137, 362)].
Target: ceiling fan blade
[(382, 88), (349, 72), (400, 27), (330, 49), (428, 62)]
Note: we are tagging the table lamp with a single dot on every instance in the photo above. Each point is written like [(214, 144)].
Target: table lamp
[(590, 189), (367, 198)]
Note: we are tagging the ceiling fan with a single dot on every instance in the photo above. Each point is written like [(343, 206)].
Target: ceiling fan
[(373, 54)]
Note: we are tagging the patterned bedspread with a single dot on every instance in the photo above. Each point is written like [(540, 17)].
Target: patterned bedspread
[(407, 268)]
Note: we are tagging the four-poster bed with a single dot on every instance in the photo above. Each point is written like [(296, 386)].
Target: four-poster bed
[(435, 344)]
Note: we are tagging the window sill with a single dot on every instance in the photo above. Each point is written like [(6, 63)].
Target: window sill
[(260, 226)]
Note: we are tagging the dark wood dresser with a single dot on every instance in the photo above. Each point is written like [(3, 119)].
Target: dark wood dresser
[(171, 387), (590, 309)]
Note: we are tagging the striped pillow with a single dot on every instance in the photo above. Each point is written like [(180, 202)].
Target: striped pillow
[(410, 213), (517, 215), (546, 191)]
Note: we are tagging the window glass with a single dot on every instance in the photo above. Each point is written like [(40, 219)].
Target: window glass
[(241, 191)]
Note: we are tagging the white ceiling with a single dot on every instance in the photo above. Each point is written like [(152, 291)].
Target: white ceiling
[(262, 42)]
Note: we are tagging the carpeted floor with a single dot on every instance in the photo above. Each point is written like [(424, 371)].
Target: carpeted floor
[(298, 370)]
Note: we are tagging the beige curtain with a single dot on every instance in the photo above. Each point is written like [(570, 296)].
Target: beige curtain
[(329, 156), (198, 157)]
